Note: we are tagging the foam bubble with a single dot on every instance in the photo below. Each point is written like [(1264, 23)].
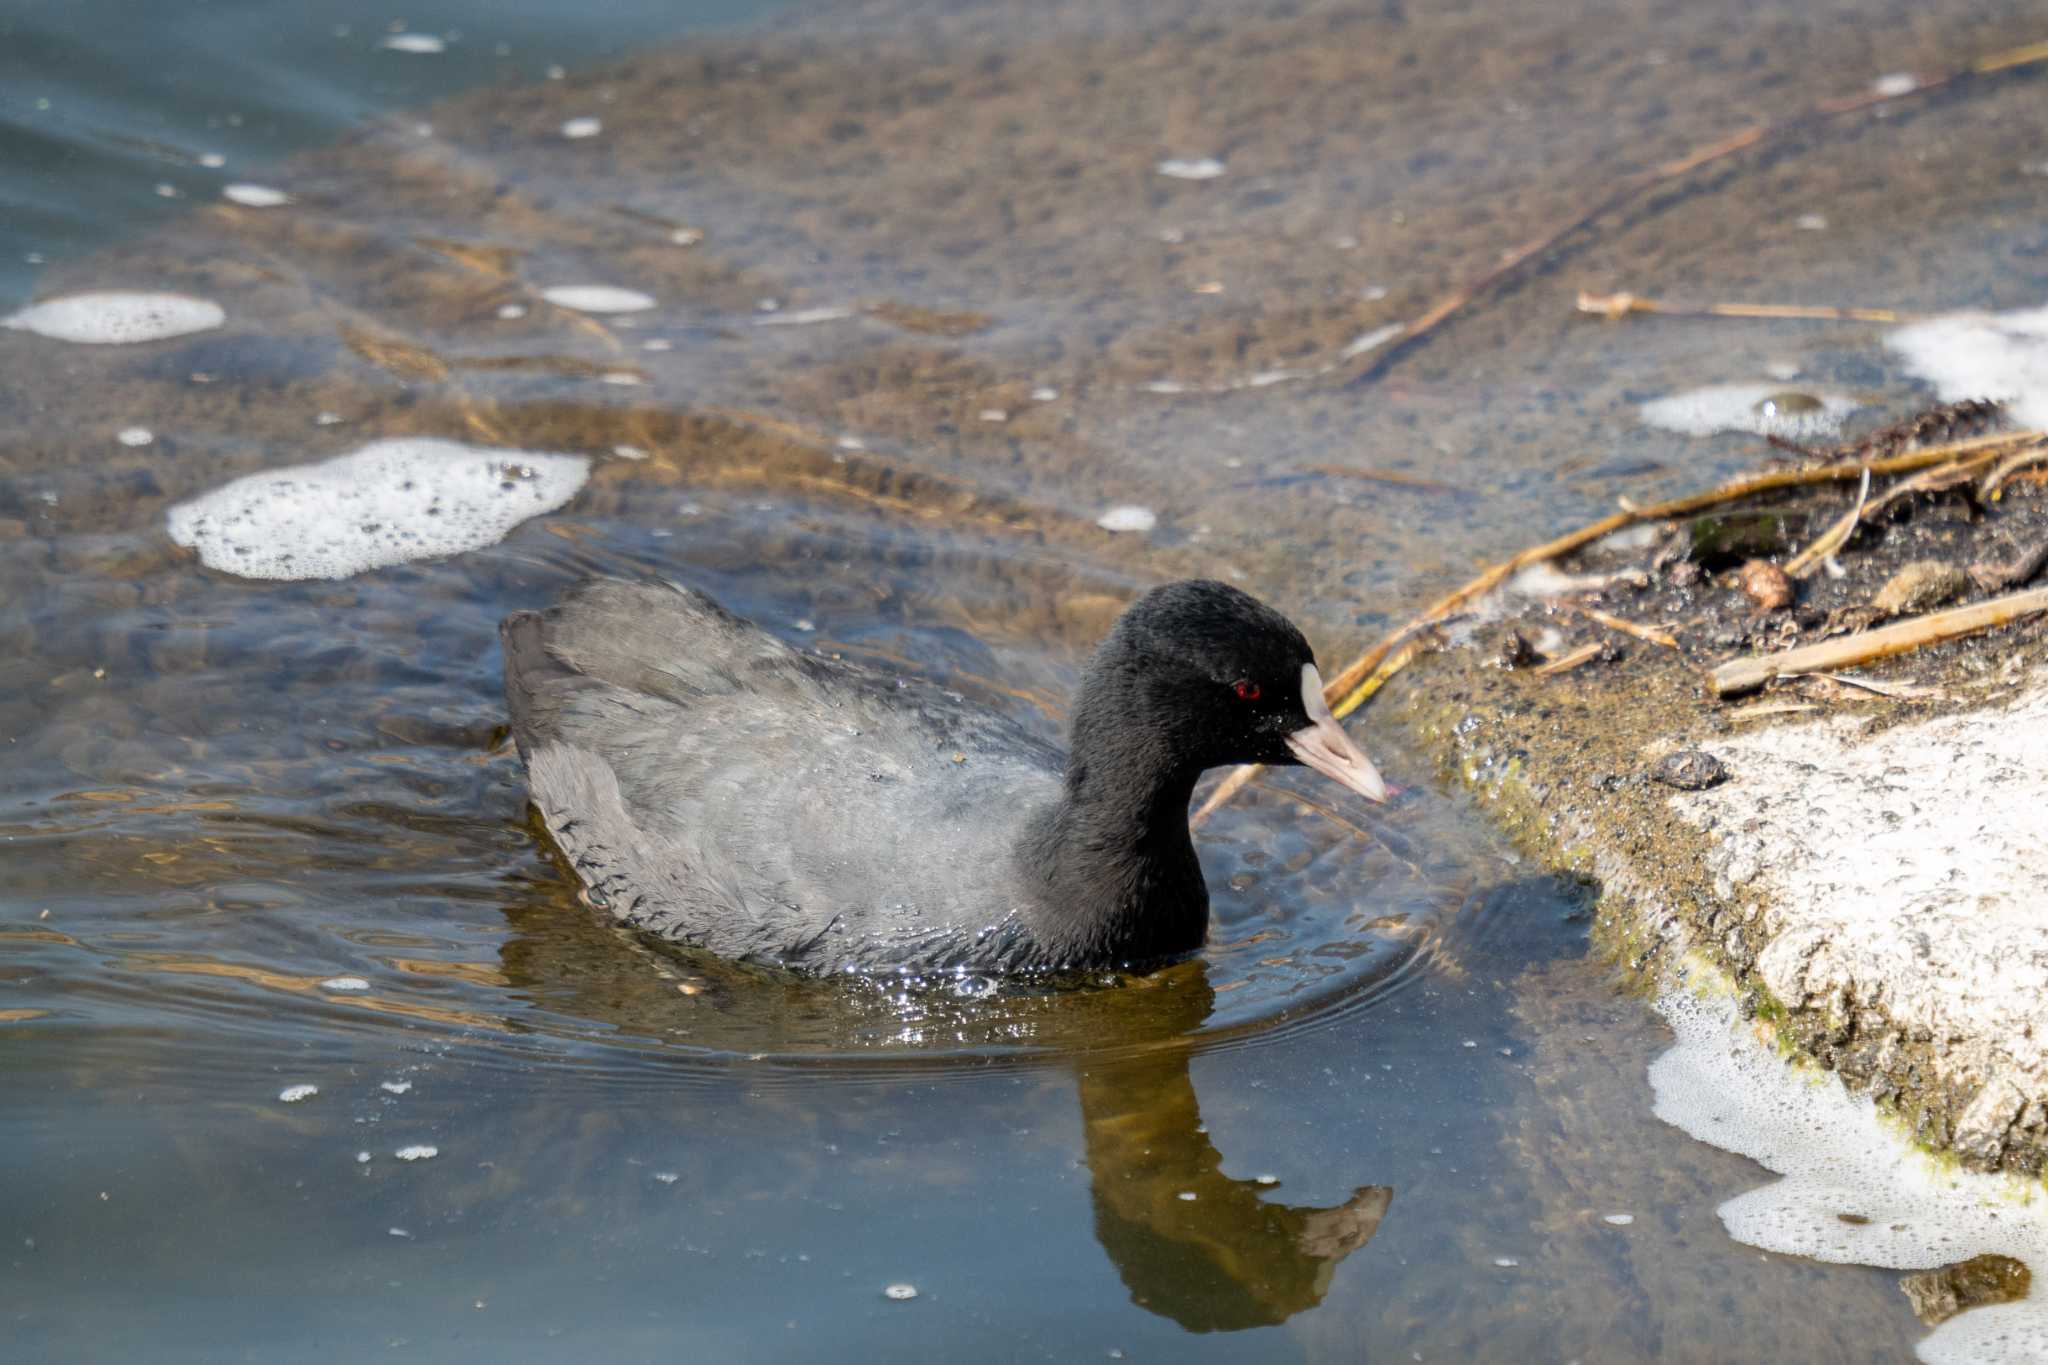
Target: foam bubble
[(254, 196), (1983, 355), (390, 502), (421, 43), (115, 317), (1760, 409), (1191, 168), (1128, 518), (597, 298), (1837, 1157)]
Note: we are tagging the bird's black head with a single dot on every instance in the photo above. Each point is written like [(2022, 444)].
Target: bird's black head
[(1197, 675)]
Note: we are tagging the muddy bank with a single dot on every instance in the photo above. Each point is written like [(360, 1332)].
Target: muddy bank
[(1859, 848)]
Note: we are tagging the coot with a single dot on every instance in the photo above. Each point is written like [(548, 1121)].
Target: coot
[(711, 785)]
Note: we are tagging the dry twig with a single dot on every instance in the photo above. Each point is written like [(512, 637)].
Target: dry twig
[(1748, 674)]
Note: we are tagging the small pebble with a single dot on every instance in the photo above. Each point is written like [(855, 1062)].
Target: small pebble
[(1690, 770), (1921, 586)]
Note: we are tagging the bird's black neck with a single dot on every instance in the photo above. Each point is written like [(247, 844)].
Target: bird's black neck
[(1113, 862)]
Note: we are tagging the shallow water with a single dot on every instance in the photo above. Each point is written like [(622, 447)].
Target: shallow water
[(262, 835)]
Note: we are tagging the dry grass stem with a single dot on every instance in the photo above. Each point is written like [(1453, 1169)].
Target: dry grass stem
[(1615, 307), (1746, 675), (1565, 663)]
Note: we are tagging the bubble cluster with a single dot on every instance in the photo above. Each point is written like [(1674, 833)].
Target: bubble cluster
[(387, 503), (1760, 409), (597, 298), (1852, 1192), (1128, 518), (115, 317)]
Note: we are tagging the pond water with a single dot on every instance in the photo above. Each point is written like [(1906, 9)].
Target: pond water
[(966, 323)]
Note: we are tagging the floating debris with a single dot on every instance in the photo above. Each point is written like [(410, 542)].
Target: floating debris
[(900, 1292), (254, 196), (597, 298), (135, 436), (1128, 517), (582, 127), (511, 311), (117, 317), (418, 43), (387, 503), (1896, 83), (292, 1094), (1620, 1220), (344, 983), (419, 1151), (667, 1177), (1191, 168)]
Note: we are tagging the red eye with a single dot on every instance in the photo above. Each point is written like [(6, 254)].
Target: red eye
[(1247, 690)]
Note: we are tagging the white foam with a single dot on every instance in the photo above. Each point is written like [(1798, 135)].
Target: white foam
[(1128, 518), (395, 1087), (344, 983), (421, 43), (1747, 407), (292, 1094), (1838, 1157), (597, 298), (390, 502), (254, 196), (419, 1151), (582, 127), (1983, 355), (115, 317), (1191, 168), (804, 317)]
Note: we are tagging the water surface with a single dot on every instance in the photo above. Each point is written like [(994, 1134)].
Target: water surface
[(926, 311)]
